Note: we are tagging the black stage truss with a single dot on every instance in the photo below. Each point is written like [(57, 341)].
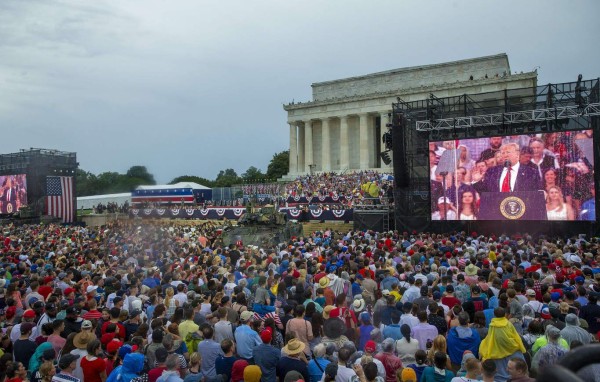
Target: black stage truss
[(37, 164), (546, 108)]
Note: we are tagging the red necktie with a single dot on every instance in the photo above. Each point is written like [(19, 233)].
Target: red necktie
[(506, 182)]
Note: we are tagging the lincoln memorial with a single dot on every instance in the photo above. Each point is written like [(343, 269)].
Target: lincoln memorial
[(341, 128)]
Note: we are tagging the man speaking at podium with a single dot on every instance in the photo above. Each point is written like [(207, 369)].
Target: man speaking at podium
[(510, 176)]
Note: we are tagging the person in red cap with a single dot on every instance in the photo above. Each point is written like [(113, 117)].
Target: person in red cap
[(112, 348), (29, 318), (46, 288), (266, 356), (371, 350)]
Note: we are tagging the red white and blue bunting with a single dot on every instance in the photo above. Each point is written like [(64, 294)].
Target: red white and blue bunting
[(235, 213)]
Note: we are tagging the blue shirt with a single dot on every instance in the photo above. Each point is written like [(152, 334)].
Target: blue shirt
[(314, 372), (223, 365), (246, 340), (267, 357), (392, 331), (210, 350)]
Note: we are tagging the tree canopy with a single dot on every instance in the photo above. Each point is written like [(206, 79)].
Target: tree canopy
[(112, 182)]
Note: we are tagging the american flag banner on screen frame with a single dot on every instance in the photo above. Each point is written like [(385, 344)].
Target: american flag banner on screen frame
[(59, 202)]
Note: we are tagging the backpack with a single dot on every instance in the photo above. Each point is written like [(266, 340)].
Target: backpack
[(192, 340)]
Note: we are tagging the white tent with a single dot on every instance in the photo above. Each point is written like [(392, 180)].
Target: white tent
[(88, 202), (192, 185)]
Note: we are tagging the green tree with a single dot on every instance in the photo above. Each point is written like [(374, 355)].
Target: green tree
[(253, 174), (227, 178), (87, 183), (195, 179), (141, 172), (279, 165)]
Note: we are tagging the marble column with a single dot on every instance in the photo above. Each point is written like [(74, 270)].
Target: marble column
[(344, 144), (301, 149), (325, 146), (364, 140), (308, 146), (293, 148)]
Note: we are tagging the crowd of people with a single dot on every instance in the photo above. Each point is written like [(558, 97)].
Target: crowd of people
[(166, 302), (111, 208), (558, 163)]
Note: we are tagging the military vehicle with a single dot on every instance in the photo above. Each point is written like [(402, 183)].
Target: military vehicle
[(264, 226)]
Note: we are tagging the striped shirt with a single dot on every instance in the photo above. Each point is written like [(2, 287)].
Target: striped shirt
[(64, 377)]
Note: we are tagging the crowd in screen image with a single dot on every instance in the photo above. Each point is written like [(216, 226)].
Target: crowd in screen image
[(559, 164), (170, 302)]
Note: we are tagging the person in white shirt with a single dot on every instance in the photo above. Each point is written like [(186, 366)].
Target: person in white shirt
[(532, 302), (446, 211), (181, 296)]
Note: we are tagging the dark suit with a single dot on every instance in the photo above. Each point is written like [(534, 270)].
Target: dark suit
[(9, 198), (528, 179)]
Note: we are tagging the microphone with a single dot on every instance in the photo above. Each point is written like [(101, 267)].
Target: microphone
[(507, 163)]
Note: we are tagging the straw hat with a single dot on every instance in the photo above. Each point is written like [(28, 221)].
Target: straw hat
[(327, 310), (294, 346), (81, 339), (324, 282), (471, 270), (358, 305)]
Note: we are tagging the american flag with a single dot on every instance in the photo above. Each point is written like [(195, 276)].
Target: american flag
[(59, 202)]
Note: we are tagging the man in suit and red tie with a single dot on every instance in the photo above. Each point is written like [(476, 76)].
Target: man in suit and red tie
[(510, 176), (9, 191)]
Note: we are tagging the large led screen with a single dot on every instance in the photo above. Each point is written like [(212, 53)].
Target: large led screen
[(548, 176), (13, 193)]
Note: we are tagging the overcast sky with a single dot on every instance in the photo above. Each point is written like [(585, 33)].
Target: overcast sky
[(192, 87)]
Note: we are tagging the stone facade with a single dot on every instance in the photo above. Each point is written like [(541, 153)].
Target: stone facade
[(342, 127)]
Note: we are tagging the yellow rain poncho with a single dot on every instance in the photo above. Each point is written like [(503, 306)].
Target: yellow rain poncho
[(501, 341)]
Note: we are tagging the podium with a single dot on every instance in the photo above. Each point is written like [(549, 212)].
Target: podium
[(7, 208), (523, 205)]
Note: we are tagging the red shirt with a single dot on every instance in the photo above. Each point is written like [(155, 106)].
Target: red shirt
[(121, 333), (92, 369), (450, 301), (153, 374), (93, 315), (45, 290)]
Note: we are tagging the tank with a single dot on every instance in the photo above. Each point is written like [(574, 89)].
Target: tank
[(262, 227)]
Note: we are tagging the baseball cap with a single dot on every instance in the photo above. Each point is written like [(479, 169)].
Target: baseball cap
[(69, 291), (91, 288), (135, 313), (530, 292), (86, 324), (50, 306), (385, 292), (66, 360), (370, 346), (72, 310), (545, 313), (246, 315), (114, 345), (29, 313), (266, 335)]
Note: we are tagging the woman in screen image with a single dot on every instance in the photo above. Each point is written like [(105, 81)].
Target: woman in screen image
[(467, 204), (556, 208)]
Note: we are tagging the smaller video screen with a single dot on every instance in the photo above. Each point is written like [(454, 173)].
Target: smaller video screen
[(13, 193)]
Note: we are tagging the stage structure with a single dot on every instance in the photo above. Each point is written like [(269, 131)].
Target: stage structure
[(566, 108), (37, 165)]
